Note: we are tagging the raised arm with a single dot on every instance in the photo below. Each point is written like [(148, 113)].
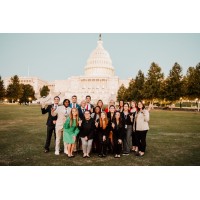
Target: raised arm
[(45, 110)]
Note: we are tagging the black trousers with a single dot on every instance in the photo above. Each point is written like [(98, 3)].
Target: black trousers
[(95, 143), (102, 145), (50, 130), (134, 139), (141, 140), (78, 142), (117, 147)]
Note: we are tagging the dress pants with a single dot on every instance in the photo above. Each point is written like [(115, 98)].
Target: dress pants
[(86, 145), (117, 147), (50, 130), (103, 145), (127, 139), (95, 144), (141, 140), (59, 134), (134, 139)]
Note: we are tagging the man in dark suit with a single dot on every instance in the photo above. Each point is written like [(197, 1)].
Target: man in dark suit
[(74, 103), (81, 109), (89, 106), (51, 121)]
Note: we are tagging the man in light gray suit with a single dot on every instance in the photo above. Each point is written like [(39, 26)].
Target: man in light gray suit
[(62, 113)]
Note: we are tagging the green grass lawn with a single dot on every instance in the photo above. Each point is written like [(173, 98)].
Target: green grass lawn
[(173, 140)]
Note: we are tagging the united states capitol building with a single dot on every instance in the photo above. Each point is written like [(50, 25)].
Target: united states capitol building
[(99, 80)]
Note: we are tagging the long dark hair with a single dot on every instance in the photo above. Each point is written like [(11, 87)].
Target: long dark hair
[(120, 119), (143, 106)]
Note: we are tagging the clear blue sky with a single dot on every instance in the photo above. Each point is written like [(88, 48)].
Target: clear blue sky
[(59, 56)]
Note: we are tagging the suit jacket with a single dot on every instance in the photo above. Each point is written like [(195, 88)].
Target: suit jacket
[(71, 105), (50, 118), (62, 113), (81, 113), (106, 131), (91, 106), (118, 130), (109, 116)]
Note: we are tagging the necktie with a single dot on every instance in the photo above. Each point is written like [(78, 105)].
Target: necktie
[(65, 112), (87, 107), (73, 105)]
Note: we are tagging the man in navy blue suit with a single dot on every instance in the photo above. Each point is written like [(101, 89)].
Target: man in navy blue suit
[(74, 103), (51, 121)]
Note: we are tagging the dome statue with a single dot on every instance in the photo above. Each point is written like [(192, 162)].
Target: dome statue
[(99, 62)]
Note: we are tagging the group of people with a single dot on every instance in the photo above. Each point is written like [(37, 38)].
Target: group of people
[(118, 129)]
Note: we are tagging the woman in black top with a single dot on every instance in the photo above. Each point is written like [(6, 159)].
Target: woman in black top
[(128, 119), (133, 112), (118, 128), (103, 134), (121, 105), (111, 116), (86, 127), (96, 116)]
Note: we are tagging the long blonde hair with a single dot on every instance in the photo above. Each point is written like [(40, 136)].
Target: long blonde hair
[(71, 117), (103, 125)]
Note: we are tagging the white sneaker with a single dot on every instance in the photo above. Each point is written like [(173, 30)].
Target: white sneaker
[(57, 153), (66, 152)]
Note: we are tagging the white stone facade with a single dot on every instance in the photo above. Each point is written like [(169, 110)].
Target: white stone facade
[(33, 81), (99, 80)]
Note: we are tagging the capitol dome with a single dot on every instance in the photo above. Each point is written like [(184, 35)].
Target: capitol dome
[(99, 62)]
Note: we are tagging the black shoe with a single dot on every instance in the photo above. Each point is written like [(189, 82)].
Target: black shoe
[(100, 155), (88, 156), (60, 151), (84, 156)]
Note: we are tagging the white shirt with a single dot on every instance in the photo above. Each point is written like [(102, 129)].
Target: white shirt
[(89, 106)]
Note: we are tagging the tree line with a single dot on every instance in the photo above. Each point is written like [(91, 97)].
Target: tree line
[(18, 92), (155, 88)]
